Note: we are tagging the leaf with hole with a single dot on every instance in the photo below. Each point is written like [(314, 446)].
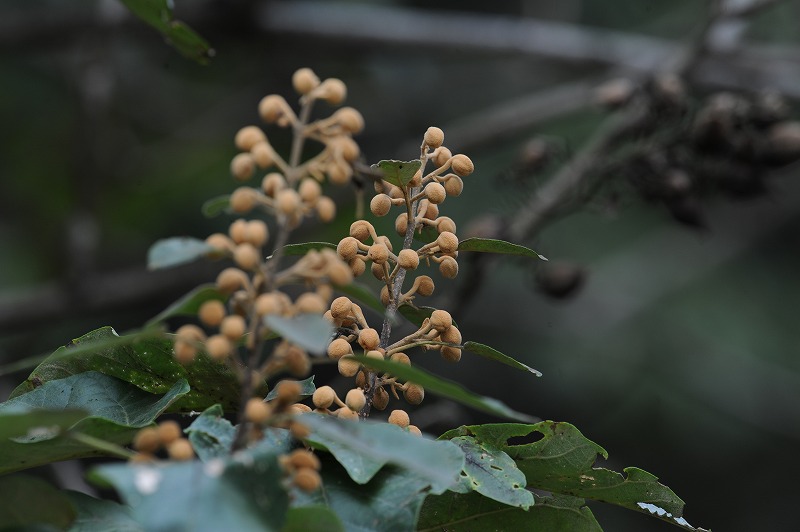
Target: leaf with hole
[(398, 173), (494, 354), (366, 447), (490, 245), (444, 388), (311, 332), (175, 251)]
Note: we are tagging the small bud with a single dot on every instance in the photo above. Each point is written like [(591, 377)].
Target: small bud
[(309, 191), (413, 429), (442, 156), (378, 252), (185, 352), (357, 266), (408, 259), (238, 230), (401, 224), (303, 459), (310, 303), (256, 233), (271, 108), (381, 399), (451, 354), (454, 186), (262, 154), (333, 91), (288, 391), (451, 335), (445, 224), (269, 304), (288, 201), (272, 183), (361, 230), (346, 413), (349, 119), (425, 286), (441, 320)]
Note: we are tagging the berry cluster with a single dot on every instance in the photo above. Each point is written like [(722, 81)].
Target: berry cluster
[(167, 436)]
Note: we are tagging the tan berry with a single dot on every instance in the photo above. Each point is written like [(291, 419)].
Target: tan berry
[(190, 333), (451, 335), (451, 354), (443, 223), (414, 394), (271, 108), (448, 268), (231, 279), (347, 248), (309, 191), (243, 199), (246, 256), (454, 186), (462, 165), (303, 459), (357, 266), (339, 172), (401, 224), (288, 391), (212, 312), (340, 274), (385, 296), (256, 233), (180, 449), (243, 166), (433, 137), (339, 348), (413, 429), (380, 205), (425, 285), (304, 80), (299, 431), (376, 354), (219, 347), (248, 136), (401, 358), (361, 230), (349, 119), (219, 241), (272, 183), (269, 304), (257, 411), (381, 399), (288, 201), (435, 192), (326, 209), (408, 259), (447, 242), (348, 366), (341, 307), (184, 352), (310, 303), (297, 362), (169, 431), (238, 230), (416, 179), (233, 327), (350, 149), (262, 154), (355, 399), (431, 211), (323, 397), (346, 413), (333, 91), (368, 339), (399, 418), (386, 241), (147, 440), (442, 156), (378, 253), (441, 320)]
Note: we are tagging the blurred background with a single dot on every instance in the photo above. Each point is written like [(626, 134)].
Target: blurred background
[(666, 332)]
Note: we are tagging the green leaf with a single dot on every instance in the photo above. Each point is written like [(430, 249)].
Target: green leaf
[(158, 14), (494, 354), (303, 248), (315, 518), (492, 473), (175, 251), (364, 448), (470, 512), (363, 294), (390, 501), (426, 234), (18, 420), (26, 501), (211, 434), (307, 389), (243, 492), (490, 245), (215, 206), (444, 388), (561, 462), (143, 360), (189, 304), (311, 332), (114, 410), (99, 514), (398, 173), (415, 314)]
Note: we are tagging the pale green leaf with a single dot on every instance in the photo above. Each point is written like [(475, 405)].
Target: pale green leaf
[(100, 515), (211, 434), (175, 251), (494, 354), (311, 332), (398, 173)]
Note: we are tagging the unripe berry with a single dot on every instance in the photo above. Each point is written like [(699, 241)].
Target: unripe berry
[(355, 399), (361, 230), (257, 411), (256, 233), (211, 312), (348, 366), (339, 348), (378, 252), (414, 394), (435, 192), (357, 266), (233, 327), (413, 429), (448, 268), (323, 397), (246, 256), (425, 285), (368, 339), (248, 136), (380, 205), (180, 449), (462, 165), (451, 354), (433, 137), (401, 224), (333, 91), (445, 224), (350, 119), (303, 459), (447, 242), (441, 320), (272, 183), (288, 201), (169, 431), (341, 307), (147, 440), (326, 209), (304, 80), (231, 279), (309, 190), (401, 358), (269, 304), (218, 347), (381, 399), (442, 156), (271, 107), (243, 166), (347, 248), (262, 154), (310, 303), (451, 335), (454, 186), (288, 391), (399, 418), (243, 199), (408, 259)]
